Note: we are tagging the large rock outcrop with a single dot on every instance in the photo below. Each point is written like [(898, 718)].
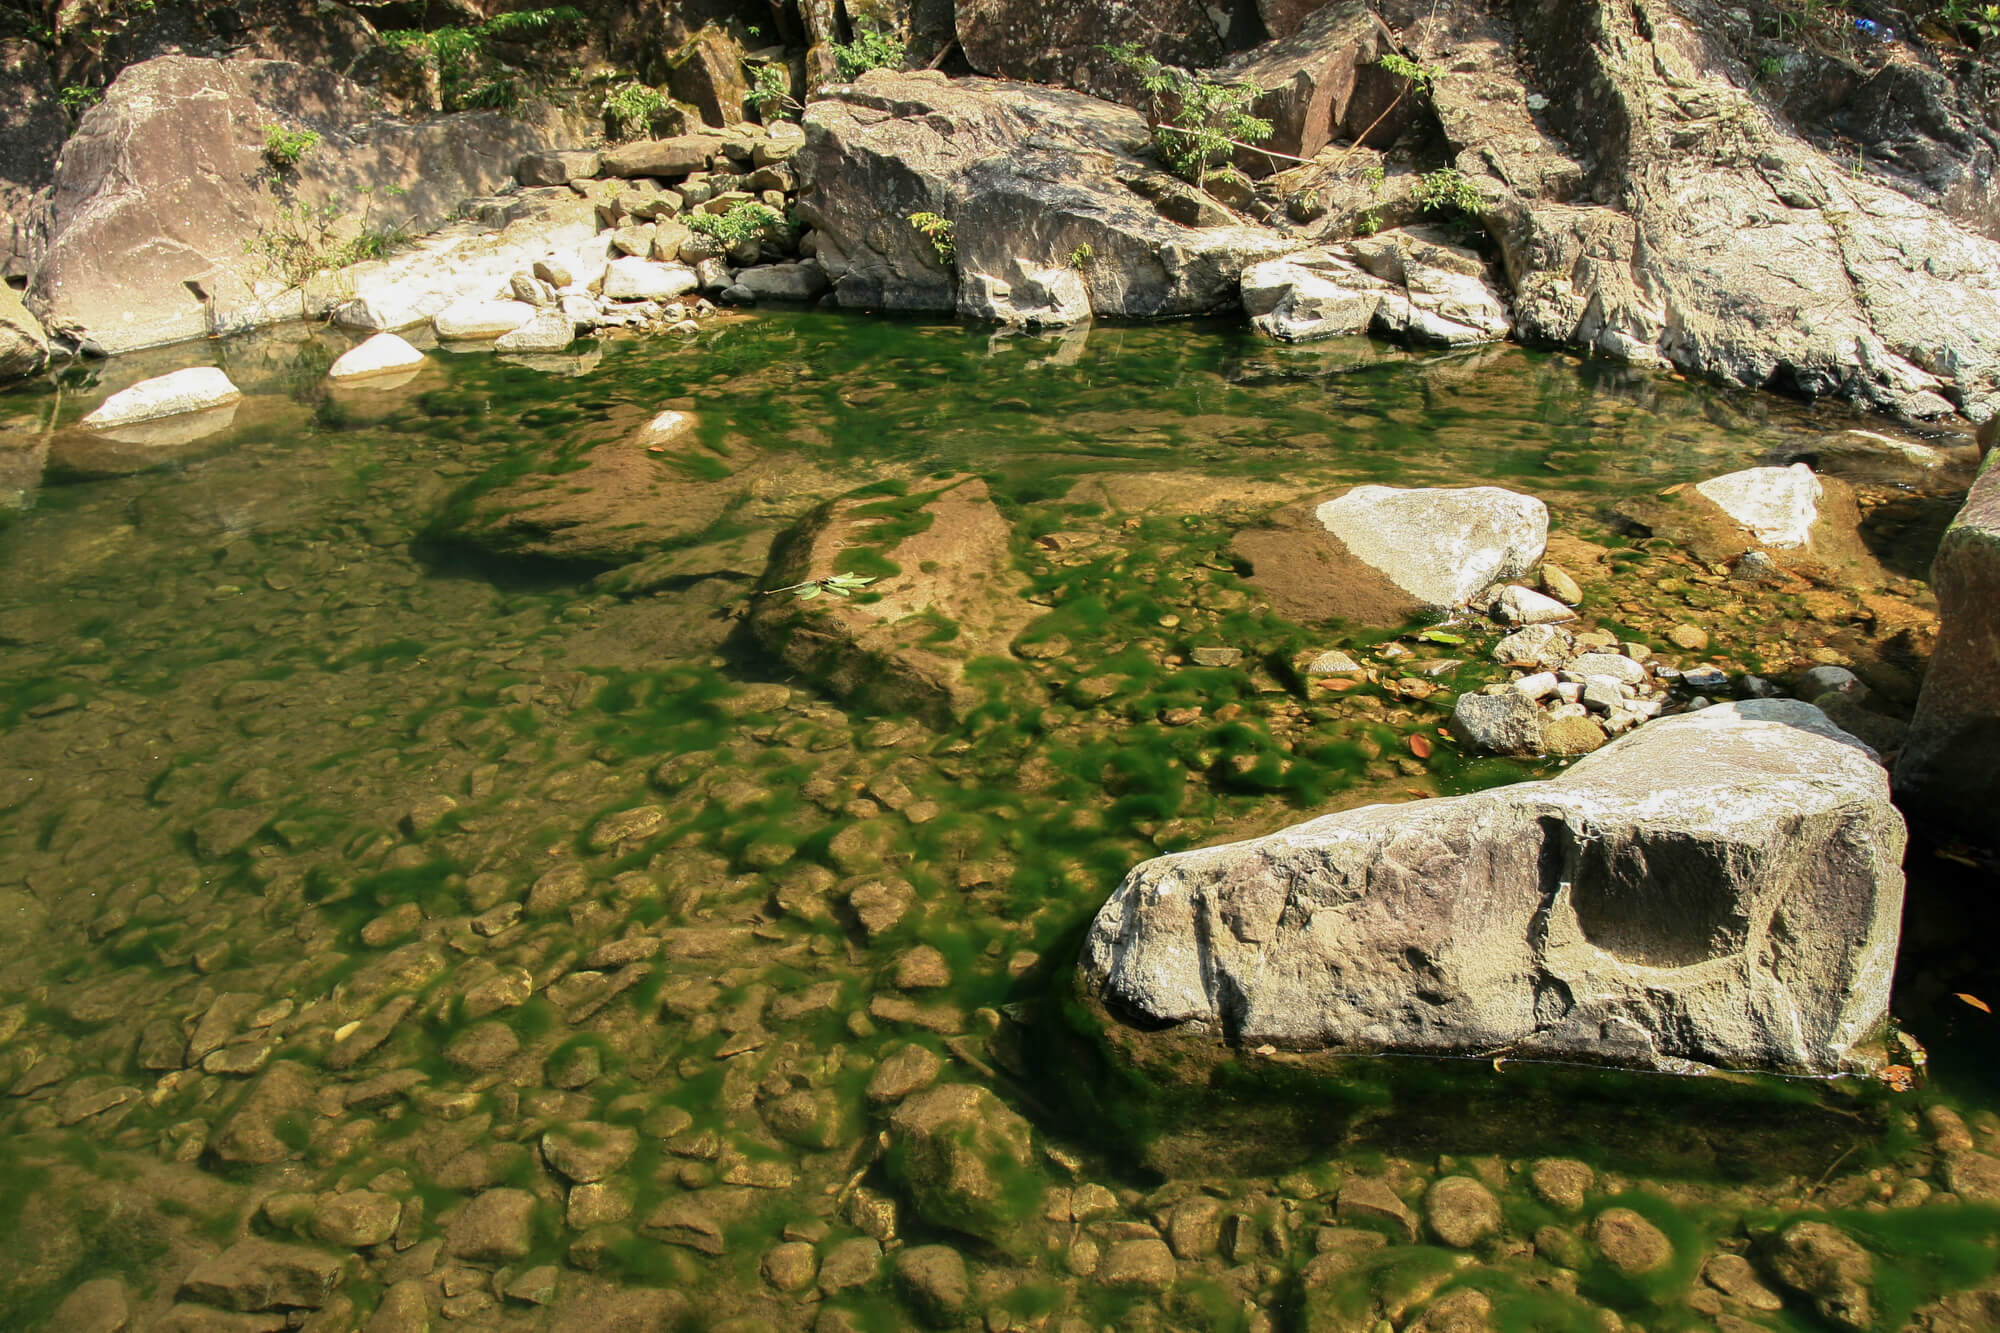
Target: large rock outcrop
[(1949, 766), (1722, 887), (1063, 41), (1050, 205), (1409, 284), (168, 173), (1679, 220)]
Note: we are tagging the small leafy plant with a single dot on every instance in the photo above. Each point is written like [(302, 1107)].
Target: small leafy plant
[(629, 110), (1082, 257), (771, 93), (285, 149), (1200, 119), (459, 55), (833, 585), (1447, 190), (77, 98), (868, 50), (938, 228), (743, 221)]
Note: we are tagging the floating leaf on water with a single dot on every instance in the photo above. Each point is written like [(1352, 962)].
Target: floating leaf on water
[(1974, 1001), (1420, 745), (1675, 489), (1440, 636)]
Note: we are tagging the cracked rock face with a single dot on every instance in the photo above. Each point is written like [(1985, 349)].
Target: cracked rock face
[(1720, 888)]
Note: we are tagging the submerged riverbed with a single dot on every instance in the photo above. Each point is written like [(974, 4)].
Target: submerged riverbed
[(353, 870)]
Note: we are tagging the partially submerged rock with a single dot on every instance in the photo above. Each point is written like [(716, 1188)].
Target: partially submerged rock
[(1383, 555), (1949, 765), (383, 354), (192, 390), (1399, 284), (1722, 888), (902, 644), (1777, 506)]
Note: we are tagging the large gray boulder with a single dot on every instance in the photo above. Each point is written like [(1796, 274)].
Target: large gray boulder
[(1032, 180), (1722, 887), (168, 172), (1949, 765), (1736, 248), (1401, 284)]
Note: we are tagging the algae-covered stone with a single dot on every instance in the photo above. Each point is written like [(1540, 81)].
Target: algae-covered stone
[(265, 1275), (498, 1226), (1629, 1242), (1826, 1266), (589, 1150), (1461, 1211), (965, 1160), (933, 1279)]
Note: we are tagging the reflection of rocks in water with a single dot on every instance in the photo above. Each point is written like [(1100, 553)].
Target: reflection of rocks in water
[(136, 448), (1045, 347), (553, 363), (21, 464)]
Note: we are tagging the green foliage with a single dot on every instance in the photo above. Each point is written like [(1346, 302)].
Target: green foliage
[(1082, 257), (939, 229), (1447, 191), (77, 97), (629, 110), (461, 58), (744, 221), (285, 148), (833, 585), (1420, 77), (868, 50), (1199, 119), (771, 92), (302, 242), (1982, 21)]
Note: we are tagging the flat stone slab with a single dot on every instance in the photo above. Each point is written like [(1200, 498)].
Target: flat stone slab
[(473, 320), (1776, 505), (1442, 545), (1720, 888), (190, 390)]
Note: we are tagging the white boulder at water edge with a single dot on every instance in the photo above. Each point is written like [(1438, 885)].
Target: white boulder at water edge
[(383, 354), (189, 390), (1442, 546), (1719, 888)]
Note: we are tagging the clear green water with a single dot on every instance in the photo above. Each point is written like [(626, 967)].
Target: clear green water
[(234, 686)]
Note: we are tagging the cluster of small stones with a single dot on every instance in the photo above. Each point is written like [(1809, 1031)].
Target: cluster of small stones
[(709, 171)]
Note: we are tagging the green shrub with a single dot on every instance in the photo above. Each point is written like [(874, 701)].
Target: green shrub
[(1447, 191), (771, 92), (460, 55), (285, 148), (742, 222), (629, 110), (868, 50), (939, 229), (1205, 119)]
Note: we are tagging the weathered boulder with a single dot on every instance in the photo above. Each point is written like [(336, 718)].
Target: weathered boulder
[(383, 354), (1065, 44), (1949, 764), (1442, 546), (1737, 249), (259, 1274), (1321, 83), (476, 321), (784, 282), (966, 1160), (903, 645), (707, 74), (24, 347), (191, 390), (1776, 505), (548, 331), (1829, 1268), (33, 125), (1031, 179), (1401, 284), (636, 279), (668, 159), (169, 171), (1721, 887)]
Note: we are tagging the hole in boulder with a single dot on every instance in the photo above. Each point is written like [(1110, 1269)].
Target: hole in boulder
[(1665, 903)]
